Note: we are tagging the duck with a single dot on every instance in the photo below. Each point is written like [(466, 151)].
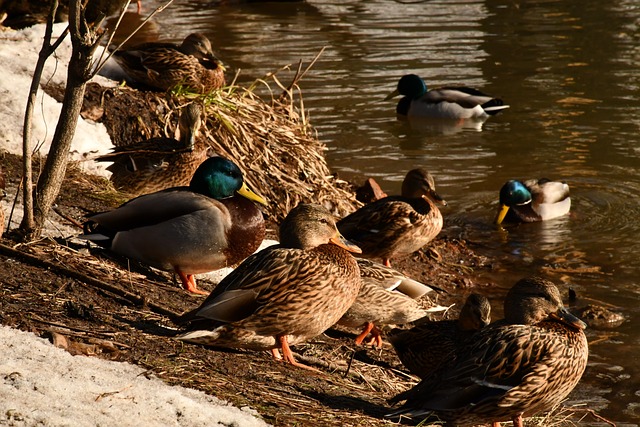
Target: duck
[(517, 367), (159, 163), (386, 297), (533, 200), (396, 226), (425, 347), (284, 294), (454, 102), (164, 66), (210, 224)]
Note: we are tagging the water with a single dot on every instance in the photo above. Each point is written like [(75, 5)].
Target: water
[(570, 71)]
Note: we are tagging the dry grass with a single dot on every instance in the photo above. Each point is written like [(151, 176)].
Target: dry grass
[(274, 144)]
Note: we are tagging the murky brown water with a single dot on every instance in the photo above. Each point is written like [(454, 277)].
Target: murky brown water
[(570, 71)]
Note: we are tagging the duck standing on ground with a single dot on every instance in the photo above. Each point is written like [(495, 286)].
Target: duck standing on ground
[(514, 368), (533, 200), (284, 294), (386, 297), (164, 66), (425, 347), (443, 103), (159, 163), (211, 224), (397, 225)]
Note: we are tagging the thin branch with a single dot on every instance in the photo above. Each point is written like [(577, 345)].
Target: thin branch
[(100, 61)]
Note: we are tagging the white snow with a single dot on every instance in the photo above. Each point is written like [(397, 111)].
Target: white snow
[(18, 55), (44, 385)]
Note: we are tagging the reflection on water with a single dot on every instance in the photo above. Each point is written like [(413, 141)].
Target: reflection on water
[(570, 71)]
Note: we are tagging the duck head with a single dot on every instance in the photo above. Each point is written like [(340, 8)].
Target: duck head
[(419, 183), (308, 226), (533, 300), (409, 85), (220, 178), (512, 193)]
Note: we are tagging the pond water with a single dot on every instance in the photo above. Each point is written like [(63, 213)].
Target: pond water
[(570, 69)]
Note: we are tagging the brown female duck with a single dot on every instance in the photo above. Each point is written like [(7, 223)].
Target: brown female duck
[(423, 348), (397, 225), (386, 297), (211, 224), (512, 369), (159, 163), (282, 295), (164, 66)]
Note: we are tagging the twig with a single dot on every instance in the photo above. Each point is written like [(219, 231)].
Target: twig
[(151, 15), (134, 299)]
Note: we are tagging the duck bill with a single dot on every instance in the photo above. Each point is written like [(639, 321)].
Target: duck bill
[(501, 214), (568, 319), (436, 198), (392, 95), (244, 191), (339, 240)]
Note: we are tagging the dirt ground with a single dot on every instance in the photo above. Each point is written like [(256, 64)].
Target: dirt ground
[(109, 309)]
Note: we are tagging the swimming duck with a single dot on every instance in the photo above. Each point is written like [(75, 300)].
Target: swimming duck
[(386, 297), (163, 66), (160, 163), (425, 347), (533, 200), (514, 368), (443, 103), (397, 225), (211, 224), (284, 294)]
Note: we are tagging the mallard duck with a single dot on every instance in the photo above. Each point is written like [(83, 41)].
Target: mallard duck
[(282, 295), (533, 200), (426, 346), (397, 225), (163, 66), (443, 103), (386, 297), (210, 224), (160, 163), (515, 368)]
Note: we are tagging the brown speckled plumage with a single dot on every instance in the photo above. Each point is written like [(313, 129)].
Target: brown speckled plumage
[(423, 348), (282, 293), (511, 369), (386, 297), (397, 225), (163, 66), (160, 163)]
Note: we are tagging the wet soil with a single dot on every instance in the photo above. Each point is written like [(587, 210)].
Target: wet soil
[(107, 307)]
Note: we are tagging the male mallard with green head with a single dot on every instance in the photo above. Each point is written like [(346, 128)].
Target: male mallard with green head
[(533, 200), (159, 163), (397, 225), (211, 224), (386, 297), (514, 368), (425, 347), (163, 66), (443, 103), (284, 294)]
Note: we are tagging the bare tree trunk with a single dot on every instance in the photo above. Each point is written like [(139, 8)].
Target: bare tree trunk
[(27, 157), (84, 42)]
